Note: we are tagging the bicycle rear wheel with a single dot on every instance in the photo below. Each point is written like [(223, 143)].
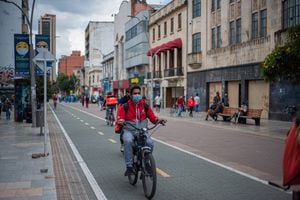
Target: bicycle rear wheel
[(149, 176), (133, 177)]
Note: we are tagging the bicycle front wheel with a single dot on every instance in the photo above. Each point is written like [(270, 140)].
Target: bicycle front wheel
[(149, 175), (133, 177)]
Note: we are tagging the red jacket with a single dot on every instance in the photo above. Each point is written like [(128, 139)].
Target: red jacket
[(131, 113), (191, 102)]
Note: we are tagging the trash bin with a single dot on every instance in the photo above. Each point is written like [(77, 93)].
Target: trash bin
[(40, 118)]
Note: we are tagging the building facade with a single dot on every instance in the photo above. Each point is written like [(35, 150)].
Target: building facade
[(229, 40), (136, 46), (168, 32), (67, 64), (107, 67), (98, 42), (47, 26)]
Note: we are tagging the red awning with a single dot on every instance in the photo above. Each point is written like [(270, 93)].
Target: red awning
[(177, 43)]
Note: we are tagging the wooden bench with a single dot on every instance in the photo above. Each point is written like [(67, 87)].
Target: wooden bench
[(228, 113), (253, 114)]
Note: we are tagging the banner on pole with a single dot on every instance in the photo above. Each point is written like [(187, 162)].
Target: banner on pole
[(42, 41), (22, 64)]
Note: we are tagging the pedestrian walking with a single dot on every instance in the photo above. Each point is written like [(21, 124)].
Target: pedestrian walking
[(82, 100), (225, 100), (197, 102), (157, 102), (180, 105), (7, 108), (87, 99), (1, 104), (190, 105)]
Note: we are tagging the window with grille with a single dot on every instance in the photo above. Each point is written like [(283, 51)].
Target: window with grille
[(263, 23), (219, 39), (291, 13), (196, 42), (254, 30), (238, 31), (196, 8), (231, 33)]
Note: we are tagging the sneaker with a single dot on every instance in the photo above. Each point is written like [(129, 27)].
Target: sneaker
[(122, 148), (129, 171)]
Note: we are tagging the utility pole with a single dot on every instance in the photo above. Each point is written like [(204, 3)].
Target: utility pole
[(32, 67)]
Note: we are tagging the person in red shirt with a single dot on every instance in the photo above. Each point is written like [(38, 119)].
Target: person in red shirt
[(55, 100), (180, 105), (137, 115), (190, 105)]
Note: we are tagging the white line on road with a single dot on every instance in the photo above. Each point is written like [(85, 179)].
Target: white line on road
[(86, 123), (93, 127), (96, 188), (112, 140), (81, 120), (101, 133)]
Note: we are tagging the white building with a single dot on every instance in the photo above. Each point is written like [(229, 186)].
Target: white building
[(98, 42)]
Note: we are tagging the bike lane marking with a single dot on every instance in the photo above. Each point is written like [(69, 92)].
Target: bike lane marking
[(112, 140), (100, 133), (162, 173), (92, 181)]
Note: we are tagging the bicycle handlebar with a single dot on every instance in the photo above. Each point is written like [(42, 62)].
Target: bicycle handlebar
[(155, 125)]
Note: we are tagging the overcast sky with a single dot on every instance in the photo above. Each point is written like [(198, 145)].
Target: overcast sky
[(72, 17)]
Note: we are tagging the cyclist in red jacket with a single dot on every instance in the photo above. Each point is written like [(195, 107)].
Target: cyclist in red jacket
[(137, 114)]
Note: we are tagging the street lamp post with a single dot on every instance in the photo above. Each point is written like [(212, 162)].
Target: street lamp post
[(32, 71)]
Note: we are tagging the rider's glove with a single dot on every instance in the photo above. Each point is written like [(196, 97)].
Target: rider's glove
[(162, 121)]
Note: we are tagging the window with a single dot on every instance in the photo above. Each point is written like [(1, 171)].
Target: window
[(165, 28), (238, 31), (219, 40), (172, 25), (213, 5), (254, 33), (179, 21), (231, 33), (291, 13), (231, 1), (263, 23), (158, 37), (153, 34), (213, 38), (196, 8), (218, 4), (196, 42)]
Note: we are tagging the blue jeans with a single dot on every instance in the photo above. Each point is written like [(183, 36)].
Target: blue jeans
[(197, 108), (180, 109), (8, 114), (128, 143), (107, 110)]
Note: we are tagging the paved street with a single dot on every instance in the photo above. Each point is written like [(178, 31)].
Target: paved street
[(211, 160)]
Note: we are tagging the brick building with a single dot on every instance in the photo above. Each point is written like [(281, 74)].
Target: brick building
[(67, 64)]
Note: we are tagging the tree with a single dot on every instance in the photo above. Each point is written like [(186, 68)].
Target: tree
[(283, 63), (67, 83)]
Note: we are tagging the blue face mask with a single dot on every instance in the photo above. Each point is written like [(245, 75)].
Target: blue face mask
[(136, 98)]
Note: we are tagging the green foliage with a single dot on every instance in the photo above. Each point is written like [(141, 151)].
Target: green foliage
[(67, 83), (40, 89), (283, 63)]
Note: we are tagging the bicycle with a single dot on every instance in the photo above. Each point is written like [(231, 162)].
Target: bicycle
[(143, 162), (110, 117)]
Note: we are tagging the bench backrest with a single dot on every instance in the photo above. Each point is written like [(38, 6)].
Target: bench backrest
[(254, 112), (230, 110)]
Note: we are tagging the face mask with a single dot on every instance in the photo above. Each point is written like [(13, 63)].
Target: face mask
[(136, 98)]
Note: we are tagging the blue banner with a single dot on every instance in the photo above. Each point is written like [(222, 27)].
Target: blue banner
[(42, 41), (22, 65)]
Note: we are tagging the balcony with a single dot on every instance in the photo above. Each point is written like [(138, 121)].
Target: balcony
[(195, 60), (156, 74), (171, 72)]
